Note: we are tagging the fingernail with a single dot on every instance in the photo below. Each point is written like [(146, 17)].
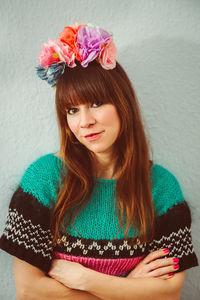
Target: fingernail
[(176, 266), (170, 274), (166, 250), (175, 259)]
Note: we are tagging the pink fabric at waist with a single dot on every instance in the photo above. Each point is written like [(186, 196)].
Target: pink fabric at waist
[(116, 267)]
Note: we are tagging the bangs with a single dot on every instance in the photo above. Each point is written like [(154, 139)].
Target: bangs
[(83, 85)]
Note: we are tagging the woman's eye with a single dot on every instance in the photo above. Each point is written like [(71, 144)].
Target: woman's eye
[(72, 111), (97, 104)]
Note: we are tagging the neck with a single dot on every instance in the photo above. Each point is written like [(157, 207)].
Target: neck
[(105, 166)]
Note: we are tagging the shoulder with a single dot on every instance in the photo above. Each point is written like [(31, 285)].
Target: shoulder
[(40, 168), (41, 176), (166, 190)]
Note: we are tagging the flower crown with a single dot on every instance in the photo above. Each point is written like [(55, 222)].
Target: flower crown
[(81, 42)]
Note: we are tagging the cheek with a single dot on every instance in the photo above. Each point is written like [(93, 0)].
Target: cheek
[(72, 126), (111, 118)]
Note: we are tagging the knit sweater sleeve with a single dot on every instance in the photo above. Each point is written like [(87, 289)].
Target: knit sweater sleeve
[(27, 232), (173, 218)]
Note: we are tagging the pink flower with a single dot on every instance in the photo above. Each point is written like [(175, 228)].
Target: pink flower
[(55, 52), (108, 56)]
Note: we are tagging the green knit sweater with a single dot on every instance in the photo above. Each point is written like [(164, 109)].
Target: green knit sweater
[(95, 240), (165, 189)]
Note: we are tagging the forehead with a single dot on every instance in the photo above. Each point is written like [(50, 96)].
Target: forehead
[(82, 89)]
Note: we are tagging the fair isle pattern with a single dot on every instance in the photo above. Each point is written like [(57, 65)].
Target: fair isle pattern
[(24, 232), (115, 267), (179, 243), (27, 232), (172, 242), (99, 248)]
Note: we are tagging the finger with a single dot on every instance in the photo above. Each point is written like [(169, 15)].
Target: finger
[(155, 255), (170, 275), (162, 262), (163, 271)]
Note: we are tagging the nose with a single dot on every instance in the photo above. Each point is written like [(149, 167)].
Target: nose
[(86, 117)]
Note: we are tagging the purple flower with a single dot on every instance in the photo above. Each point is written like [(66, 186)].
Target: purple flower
[(90, 41)]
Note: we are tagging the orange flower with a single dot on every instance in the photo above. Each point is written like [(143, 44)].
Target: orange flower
[(69, 36)]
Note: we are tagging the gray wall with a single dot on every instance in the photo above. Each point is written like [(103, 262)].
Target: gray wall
[(159, 46)]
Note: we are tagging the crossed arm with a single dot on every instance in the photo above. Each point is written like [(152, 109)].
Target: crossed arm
[(32, 284), (115, 288), (73, 281)]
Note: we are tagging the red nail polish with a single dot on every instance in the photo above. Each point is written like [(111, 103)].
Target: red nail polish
[(176, 266), (175, 259), (166, 250), (170, 274)]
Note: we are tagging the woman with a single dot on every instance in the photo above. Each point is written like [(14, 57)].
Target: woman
[(99, 209)]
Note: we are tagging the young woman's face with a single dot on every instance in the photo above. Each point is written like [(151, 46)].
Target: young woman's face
[(95, 125)]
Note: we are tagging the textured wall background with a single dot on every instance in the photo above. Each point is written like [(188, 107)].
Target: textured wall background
[(159, 46)]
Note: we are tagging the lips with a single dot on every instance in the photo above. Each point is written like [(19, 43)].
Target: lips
[(92, 134)]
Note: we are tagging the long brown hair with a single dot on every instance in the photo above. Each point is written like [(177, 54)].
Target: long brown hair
[(133, 186)]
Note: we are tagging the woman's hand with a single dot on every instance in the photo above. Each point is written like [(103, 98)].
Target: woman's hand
[(71, 274), (154, 265)]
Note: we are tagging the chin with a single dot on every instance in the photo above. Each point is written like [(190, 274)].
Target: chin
[(101, 150), (97, 151)]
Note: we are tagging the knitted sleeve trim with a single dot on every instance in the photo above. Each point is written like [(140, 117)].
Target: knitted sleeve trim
[(173, 231), (27, 232), (173, 218)]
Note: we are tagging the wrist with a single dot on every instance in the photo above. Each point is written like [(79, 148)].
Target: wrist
[(85, 278), (90, 280)]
